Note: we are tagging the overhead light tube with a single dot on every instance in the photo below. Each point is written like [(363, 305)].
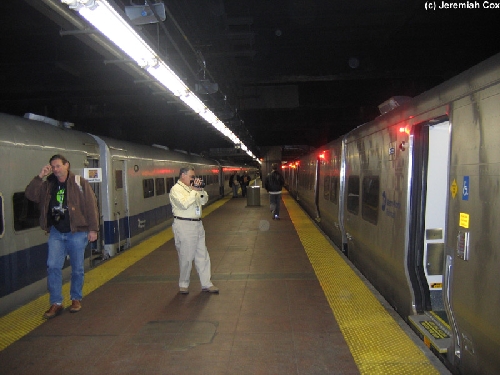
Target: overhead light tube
[(109, 22)]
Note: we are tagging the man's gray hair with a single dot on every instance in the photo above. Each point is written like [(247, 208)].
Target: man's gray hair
[(185, 169)]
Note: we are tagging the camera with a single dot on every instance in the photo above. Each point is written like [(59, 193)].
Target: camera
[(200, 185), (58, 213)]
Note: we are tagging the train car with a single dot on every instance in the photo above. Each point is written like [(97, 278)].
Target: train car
[(415, 207), (131, 183)]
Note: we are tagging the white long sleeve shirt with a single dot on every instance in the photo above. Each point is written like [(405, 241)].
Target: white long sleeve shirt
[(186, 202)]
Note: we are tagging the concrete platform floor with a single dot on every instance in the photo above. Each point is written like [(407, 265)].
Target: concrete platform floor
[(271, 316)]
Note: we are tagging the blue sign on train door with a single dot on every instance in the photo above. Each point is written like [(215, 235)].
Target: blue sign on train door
[(465, 189)]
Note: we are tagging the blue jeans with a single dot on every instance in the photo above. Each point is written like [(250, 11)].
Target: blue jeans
[(274, 202), (61, 245)]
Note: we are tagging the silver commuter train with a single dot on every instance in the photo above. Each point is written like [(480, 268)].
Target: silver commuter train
[(132, 195), (412, 198)]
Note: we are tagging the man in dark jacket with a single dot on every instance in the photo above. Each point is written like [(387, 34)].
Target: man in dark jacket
[(245, 181), (273, 184), (234, 182), (68, 212)]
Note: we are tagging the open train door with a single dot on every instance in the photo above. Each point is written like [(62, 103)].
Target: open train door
[(426, 248), (120, 205)]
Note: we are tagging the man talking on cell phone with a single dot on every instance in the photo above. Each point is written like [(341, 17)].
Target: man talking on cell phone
[(68, 212)]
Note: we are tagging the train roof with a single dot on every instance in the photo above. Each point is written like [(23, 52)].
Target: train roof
[(128, 150), (435, 102), (18, 131)]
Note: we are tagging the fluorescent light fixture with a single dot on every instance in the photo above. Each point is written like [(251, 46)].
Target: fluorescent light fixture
[(109, 22), (193, 102)]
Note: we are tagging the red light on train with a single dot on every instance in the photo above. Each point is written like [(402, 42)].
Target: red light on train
[(406, 129), (322, 156)]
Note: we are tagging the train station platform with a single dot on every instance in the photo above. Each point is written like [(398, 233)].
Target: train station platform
[(289, 303)]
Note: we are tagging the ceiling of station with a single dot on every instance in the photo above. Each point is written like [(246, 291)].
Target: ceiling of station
[(280, 72)]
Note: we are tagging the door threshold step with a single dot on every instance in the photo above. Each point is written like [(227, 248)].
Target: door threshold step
[(432, 331)]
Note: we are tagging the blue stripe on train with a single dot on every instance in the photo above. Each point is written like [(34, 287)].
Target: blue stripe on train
[(22, 268), (136, 224), (27, 266)]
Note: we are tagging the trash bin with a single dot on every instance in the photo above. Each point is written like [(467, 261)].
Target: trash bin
[(253, 195)]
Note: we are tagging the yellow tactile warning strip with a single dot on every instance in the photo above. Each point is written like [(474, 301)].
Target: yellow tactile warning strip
[(377, 343), (22, 321)]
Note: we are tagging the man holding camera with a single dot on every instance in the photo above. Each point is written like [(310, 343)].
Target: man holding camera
[(186, 197), (68, 212)]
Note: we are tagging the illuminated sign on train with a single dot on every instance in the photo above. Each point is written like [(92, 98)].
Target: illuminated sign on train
[(389, 206)]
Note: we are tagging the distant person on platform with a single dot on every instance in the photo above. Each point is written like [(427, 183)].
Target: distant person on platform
[(68, 208), (273, 184), (245, 181), (234, 182), (186, 197)]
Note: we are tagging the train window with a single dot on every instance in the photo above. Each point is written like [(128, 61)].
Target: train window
[(160, 186), (2, 220), (334, 189), (369, 208), (26, 212), (170, 183), (118, 179), (353, 194), (326, 192), (148, 187)]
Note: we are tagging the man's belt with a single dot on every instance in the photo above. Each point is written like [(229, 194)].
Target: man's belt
[(186, 218)]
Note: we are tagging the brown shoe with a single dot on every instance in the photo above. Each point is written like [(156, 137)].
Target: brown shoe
[(75, 306), (211, 289), (54, 310), (183, 290)]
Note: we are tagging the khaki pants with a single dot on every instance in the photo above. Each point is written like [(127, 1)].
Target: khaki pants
[(189, 239)]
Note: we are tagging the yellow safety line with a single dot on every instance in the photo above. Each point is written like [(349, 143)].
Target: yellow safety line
[(22, 321), (378, 345)]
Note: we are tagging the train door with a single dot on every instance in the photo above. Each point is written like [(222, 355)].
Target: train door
[(430, 179), (95, 247), (2, 220), (435, 211), (292, 179), (120, 205), (317, 185), (351, 170)]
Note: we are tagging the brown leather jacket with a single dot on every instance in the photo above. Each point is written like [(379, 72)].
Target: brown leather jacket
[(82, 204)]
